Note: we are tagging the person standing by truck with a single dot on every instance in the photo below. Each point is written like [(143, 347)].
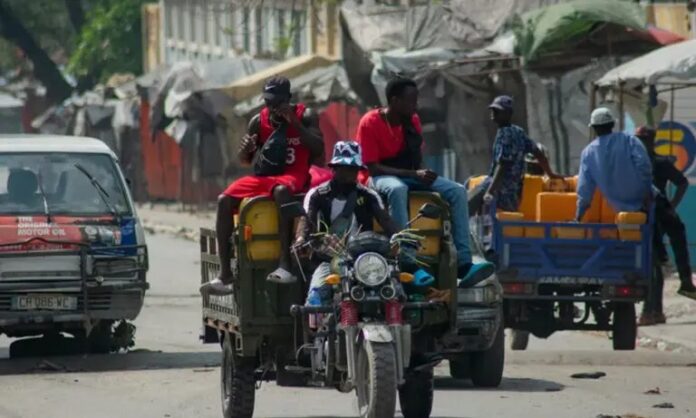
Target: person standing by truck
[(667, 221), (303, 144), (391, 140), (510, 149)]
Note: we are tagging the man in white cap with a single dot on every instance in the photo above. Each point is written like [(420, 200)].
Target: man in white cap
[(618, 164)]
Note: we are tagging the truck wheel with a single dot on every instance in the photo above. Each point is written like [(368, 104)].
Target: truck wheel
[(520, 339), (237, 383), (460, 367), (487, 366), (416, 395), (376, 380), (624, 329)]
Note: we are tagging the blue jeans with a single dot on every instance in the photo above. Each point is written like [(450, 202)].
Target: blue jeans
[(396, 191)]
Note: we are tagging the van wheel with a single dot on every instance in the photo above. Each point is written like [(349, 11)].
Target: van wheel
[(237, 382), (416, 395), (487, 366), (624, 330), (520, 339)]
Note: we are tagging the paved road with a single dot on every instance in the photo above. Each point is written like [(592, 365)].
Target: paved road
[(173, 375)]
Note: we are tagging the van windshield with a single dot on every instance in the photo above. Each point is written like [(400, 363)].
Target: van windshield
[(30, 181)]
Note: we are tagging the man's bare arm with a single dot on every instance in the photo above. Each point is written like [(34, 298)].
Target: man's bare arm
[(249, 143)]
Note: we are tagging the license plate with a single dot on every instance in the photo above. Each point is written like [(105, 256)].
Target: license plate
[(44, 303)]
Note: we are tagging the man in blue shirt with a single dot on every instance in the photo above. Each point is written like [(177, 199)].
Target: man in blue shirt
[(618, 164), (510, 150)]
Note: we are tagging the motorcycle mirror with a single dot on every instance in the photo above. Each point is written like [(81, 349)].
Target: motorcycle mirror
[(292, 210), (430, 211)]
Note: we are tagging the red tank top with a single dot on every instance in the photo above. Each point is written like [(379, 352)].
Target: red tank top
[(297, 161)]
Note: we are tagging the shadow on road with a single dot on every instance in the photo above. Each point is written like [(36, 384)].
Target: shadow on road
[(111, 362), (507, 385)]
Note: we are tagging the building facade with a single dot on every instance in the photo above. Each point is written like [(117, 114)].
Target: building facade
[(204, 30)]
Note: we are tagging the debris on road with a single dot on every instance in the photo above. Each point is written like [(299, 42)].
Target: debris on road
[(49, 366), (594, 375), (655, 391), (664, 405)]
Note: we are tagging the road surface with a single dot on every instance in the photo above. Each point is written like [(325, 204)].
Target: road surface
[(172, 375)]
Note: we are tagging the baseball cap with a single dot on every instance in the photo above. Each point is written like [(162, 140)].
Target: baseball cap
[(601, 116), (346, 153), (501, 103), (276, 87)]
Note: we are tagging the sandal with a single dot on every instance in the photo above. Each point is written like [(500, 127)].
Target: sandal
[(216, 287), (691, 293), (281, 276)]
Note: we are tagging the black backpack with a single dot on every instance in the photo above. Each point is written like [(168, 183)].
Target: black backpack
[(270, 159)]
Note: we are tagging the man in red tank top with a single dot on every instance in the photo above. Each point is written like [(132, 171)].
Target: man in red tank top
[(305, 147)]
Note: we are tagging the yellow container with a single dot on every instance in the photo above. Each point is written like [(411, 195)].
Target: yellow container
[(532, 186), (559, 207), (629, 225), (475, 181), (511, 231), (430, 246), (260, 219)]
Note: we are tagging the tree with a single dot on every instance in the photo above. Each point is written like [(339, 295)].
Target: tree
[(19, 22), (110, 40)]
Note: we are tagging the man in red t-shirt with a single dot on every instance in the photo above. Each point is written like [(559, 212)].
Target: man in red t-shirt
[(391, 141), (305, 146)]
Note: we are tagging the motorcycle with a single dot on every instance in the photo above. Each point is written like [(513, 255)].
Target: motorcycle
[(360, 341)]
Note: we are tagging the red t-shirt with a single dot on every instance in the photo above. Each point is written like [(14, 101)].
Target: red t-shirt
[(379, 140)]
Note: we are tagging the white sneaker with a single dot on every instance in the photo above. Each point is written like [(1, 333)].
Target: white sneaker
[(216, 287)]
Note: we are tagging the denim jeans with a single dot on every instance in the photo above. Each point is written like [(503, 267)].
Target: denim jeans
[(396, 191)]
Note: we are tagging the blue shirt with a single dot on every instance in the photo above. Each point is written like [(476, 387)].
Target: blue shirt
[(620, 166), (510, 146)]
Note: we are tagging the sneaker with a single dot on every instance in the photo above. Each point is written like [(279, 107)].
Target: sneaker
[(473, 274), (216, 287), (688, 293), (647, 319), (660, 318)]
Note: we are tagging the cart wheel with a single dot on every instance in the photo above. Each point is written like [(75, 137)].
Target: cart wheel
[(520, 339), (624, 329), (237, 383), (416, 395)]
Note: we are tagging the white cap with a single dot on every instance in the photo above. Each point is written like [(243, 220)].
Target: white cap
[(601, 116)]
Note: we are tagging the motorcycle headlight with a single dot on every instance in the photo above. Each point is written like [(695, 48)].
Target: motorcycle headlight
[(371, 269)]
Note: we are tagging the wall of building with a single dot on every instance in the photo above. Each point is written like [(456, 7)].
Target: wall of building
[(204, 30)]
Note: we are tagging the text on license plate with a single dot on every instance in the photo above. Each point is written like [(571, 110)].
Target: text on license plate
[(44, 303)]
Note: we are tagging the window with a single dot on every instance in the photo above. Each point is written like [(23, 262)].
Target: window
[(259, 30), (245, 30), (30, 182), (204, 22), (193, 22), (298, 31), (168, 20), (219, 12), (180, 22)]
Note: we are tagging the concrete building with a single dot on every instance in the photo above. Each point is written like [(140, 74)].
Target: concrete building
[(203, 30)]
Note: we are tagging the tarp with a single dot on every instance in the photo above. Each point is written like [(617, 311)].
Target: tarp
[(249, 86), (319, 86), (453, 24), (668, 64), (555, 27)]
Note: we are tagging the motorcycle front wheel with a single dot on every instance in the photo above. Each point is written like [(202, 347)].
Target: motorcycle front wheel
[(376, 380)]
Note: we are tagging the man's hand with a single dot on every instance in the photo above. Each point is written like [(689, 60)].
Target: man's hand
[(426, 176), (301, 246), (487, 198), (248, 144), (286, 112)]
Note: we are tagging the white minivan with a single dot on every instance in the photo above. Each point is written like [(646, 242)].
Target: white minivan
[(73, 258)]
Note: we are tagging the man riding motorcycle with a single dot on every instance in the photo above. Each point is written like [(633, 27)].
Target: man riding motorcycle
[(339, 207)]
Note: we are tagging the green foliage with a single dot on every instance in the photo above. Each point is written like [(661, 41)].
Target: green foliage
[(110, 41)]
